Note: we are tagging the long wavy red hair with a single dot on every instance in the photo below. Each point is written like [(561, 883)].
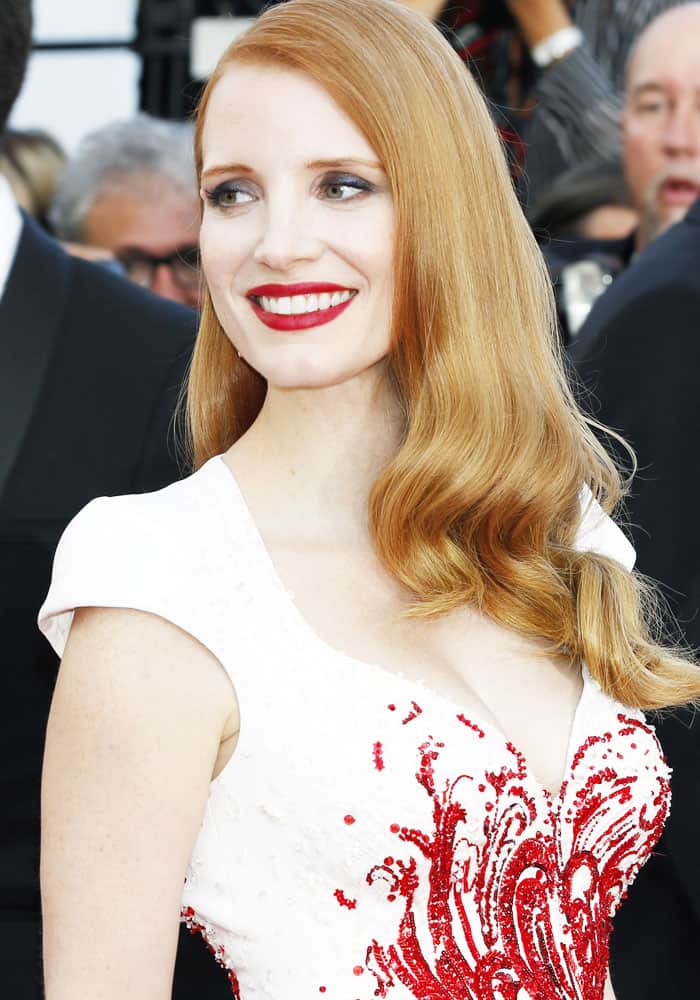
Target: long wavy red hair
[(481, 502)]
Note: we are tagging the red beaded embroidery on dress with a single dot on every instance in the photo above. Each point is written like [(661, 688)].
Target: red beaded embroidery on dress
[(517, 911), (330, 862)]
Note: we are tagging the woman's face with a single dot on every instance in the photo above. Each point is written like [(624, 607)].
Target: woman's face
[(297, 231)]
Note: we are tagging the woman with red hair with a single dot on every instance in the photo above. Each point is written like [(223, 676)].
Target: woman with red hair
[(369, 682)]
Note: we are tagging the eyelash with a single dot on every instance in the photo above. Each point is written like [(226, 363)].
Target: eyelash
[(358, 184), (228, 187)]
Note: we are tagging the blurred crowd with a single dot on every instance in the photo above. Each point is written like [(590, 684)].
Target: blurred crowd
[(127, 198), (601, 146), (598, 104)]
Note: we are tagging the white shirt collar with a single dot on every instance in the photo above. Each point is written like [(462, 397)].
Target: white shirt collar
[(10, 229)]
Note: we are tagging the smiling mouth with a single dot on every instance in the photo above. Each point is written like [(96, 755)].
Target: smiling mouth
[(301, 305), (301, 311)]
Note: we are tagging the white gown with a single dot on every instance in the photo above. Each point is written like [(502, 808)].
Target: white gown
[(367, 839)]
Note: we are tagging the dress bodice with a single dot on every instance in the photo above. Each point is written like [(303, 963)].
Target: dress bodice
[(367, 838)]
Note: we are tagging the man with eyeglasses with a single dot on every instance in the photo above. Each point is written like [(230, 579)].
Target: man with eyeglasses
[(130, 190), (172, 275)]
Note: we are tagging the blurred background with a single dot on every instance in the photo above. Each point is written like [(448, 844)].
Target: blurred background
[(102, 129), (96, 61)]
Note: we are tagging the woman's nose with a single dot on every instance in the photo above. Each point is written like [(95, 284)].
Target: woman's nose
[(288, 236)]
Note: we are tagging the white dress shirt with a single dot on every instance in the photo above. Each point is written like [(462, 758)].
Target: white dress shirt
[(10, 229)]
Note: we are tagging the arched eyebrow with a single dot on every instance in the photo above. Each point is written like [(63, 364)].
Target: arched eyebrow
[(343, 162), (335, 164), (227, 168)]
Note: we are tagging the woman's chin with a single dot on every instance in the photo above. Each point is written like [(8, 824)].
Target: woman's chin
[(305, 380), (309, 376)]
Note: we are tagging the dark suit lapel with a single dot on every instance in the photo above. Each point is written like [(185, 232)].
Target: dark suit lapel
[(30, 316)]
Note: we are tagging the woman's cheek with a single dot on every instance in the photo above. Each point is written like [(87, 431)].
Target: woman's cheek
[(215, 255)]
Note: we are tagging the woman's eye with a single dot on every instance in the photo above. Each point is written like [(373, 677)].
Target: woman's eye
[(344, 188), (226, 196)]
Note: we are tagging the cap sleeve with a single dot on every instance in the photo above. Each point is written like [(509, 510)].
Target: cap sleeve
[(598, 533), (105, 558)]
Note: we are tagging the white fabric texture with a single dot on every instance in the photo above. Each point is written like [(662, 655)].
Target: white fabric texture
[(10, 229), (366, 839), (598, 533)]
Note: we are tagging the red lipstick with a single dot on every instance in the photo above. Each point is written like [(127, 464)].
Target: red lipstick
[(301, 288), (302, 321)]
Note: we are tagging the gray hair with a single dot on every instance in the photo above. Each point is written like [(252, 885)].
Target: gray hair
[(116, 156)]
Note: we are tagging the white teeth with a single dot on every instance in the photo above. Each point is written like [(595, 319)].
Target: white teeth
[(298, 305)]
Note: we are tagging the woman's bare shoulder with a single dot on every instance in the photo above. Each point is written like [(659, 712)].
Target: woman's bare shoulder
[(135, 655)]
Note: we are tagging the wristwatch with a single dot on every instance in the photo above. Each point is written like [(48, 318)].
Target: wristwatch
[(554, 47)]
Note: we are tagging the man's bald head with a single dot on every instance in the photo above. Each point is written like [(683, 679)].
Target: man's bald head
[(661, 118), (15, 45), (682, 20)]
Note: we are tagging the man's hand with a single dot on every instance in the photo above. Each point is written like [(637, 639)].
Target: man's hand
[(537, 19)]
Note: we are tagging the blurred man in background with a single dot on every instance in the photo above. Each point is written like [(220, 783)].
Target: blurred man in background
[(131, 189), (90, 370), (662, 159), (639, 356), (660, 135), (661, 120), (553, 70)]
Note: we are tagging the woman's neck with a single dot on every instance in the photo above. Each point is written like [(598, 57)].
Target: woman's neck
[(316, 453)]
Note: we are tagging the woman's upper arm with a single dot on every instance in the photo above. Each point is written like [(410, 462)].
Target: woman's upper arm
[(133, 733)]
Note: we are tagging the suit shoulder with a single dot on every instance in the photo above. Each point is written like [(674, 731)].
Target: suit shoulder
[(664, 264), (659, 290), (139, 313)]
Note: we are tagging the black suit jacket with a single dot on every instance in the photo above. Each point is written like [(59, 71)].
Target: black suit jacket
[(90, 370), (639, 354)]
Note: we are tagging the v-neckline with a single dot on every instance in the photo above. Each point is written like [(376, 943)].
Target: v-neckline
[(233, 490)]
